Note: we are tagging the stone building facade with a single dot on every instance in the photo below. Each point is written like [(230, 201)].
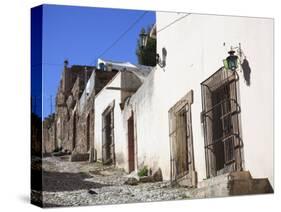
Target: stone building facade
[(72, 84), (71, 128), (49, 135)]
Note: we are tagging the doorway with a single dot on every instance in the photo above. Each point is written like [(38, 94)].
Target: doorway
[(88, 137), (108, 149), (181, 142), (74, 132), (131, 143)]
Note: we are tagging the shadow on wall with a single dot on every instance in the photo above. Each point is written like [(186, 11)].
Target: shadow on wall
[(246, 71)]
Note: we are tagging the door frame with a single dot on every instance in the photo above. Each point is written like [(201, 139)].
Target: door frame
[(189, 177), (108, 111), (131, 142)]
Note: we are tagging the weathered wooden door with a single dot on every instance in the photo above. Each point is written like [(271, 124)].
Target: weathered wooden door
[(108, 148), (74, 132), (88, 133), (181, 142), (131, 144)]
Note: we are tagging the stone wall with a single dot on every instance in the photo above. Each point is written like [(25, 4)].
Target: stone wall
[(71, 129), (84, 142), (36, 135), (71, 87), (49, 135)]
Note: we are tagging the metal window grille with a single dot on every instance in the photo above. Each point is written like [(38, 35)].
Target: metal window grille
[(220, 118)]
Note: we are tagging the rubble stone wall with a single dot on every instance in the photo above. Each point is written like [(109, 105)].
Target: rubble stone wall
[(49, 135), (72, 127)]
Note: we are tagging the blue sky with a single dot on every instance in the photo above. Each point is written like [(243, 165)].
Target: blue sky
[(81, 34)]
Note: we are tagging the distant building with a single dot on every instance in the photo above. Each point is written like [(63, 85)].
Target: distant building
[(110, 119)]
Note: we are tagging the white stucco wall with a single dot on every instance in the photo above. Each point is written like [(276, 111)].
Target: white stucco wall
[(102, 101), (195, 51)]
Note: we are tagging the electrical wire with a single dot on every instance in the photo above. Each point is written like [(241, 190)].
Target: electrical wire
[(109, 47), (120, 37), (173, 22), (34, 98)]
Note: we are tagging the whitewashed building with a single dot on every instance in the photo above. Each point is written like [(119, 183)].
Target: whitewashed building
[(191, 116), (110, 119)]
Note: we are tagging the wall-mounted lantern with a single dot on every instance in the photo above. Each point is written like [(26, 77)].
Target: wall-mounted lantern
[(159, 61), (143, 39), (231, 62), (236, 56)]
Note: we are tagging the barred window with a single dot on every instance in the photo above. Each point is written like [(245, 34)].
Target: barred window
[(220, 119)]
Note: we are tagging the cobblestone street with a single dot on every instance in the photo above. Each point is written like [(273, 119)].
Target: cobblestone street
[(81, 183)]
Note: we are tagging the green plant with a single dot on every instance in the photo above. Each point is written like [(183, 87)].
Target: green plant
[(184, 196), (147, 55), (143, 171)]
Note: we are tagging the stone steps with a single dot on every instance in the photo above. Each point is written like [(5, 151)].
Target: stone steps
[(230, 184)]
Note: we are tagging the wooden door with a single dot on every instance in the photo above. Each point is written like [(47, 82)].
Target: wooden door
[(131, 144), (181, 142), (88, 132), (108, 147)]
